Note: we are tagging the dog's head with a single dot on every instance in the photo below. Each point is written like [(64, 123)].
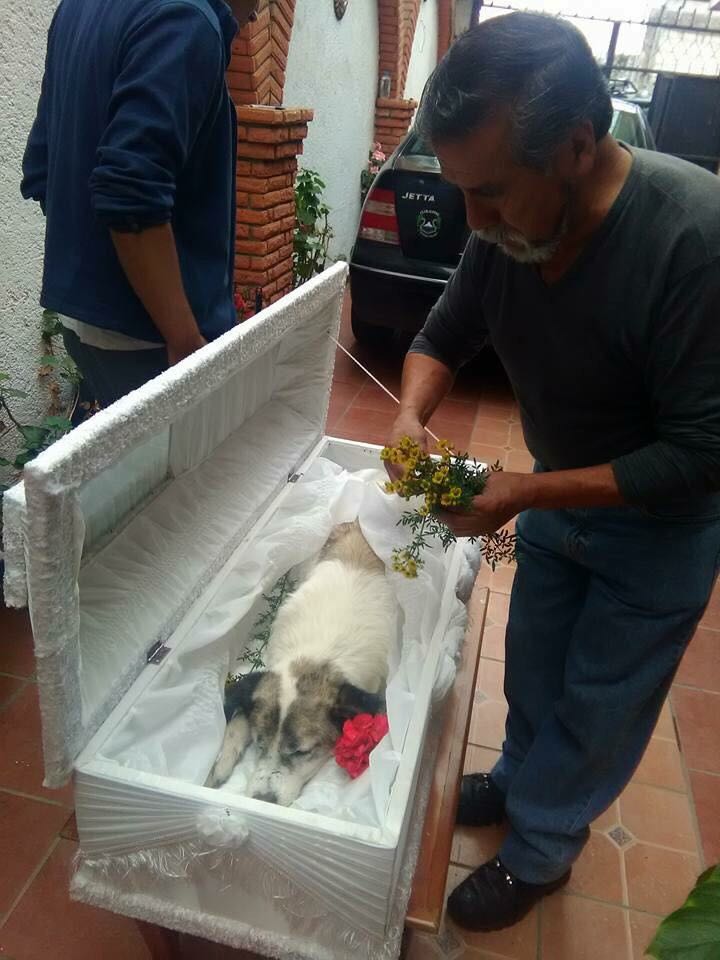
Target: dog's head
[(295, 718)]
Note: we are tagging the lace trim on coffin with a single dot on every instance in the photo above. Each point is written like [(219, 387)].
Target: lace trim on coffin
[(329, 938), (309, 917)]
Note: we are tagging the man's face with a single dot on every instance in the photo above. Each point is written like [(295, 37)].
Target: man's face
[(244, 10), (524, 211)]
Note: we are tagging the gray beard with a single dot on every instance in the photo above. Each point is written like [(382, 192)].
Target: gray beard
[(522, 250)]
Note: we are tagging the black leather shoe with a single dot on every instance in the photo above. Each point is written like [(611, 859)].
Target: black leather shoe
[(492, 898), (481, 802)]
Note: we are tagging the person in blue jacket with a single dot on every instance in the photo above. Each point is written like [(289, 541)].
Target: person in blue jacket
[(132, 159)]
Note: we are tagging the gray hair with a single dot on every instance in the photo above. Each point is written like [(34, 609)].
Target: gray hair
[(539, 66)]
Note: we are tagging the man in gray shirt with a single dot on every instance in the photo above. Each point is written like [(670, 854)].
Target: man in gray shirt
[(594, 272)]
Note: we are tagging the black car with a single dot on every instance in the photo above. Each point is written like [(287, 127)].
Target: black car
[(413, 231)]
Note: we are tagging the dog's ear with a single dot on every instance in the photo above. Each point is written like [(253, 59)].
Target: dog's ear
[(239, 694), (352, 700)]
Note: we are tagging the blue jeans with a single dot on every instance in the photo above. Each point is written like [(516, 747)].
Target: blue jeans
[(604, 603), (110, 374)]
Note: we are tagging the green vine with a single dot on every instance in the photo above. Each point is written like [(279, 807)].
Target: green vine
[(253, 655), (313, 233)]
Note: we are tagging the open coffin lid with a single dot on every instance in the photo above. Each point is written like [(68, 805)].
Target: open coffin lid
[(154, 494)]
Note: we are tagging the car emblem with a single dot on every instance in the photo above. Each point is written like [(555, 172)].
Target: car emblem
[(340, 8), (428, 224)]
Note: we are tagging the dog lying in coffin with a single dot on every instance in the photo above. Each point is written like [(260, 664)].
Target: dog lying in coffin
[(326, 661)]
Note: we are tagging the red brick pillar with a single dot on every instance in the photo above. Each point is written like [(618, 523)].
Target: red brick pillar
[(446, 12), (269, 141), (392, 121)]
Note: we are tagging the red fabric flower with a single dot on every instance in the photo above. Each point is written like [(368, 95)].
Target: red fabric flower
[(359, 737)]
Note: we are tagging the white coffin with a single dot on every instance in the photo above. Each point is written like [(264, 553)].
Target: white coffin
[(135, 536)]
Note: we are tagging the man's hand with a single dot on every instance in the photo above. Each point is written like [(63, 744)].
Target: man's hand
[(505, 495), (180, 349), (406, 425)]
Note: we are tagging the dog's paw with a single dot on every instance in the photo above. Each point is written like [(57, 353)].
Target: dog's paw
[(218, 776)]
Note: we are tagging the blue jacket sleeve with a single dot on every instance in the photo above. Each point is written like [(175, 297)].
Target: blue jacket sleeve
[(168, 86), (35, 159)]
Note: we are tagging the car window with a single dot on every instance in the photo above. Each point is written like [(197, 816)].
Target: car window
[(628, 128), (416, 148)]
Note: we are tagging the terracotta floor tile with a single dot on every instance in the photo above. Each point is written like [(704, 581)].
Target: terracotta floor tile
[(16, 645), (68, 931), (665, 728), (493, 645), (10, 687), (609, 819), (698, 719), (706, 795), (348, 372), (499, 580), (496, 409), (700, 666), (477, 604), (341, 397), (457, 411), (491, 674), (659, 880), (27, 830), (193, 948), (493, 433), (480, 759), (487, 725), (372, 397), (517, 437), (487, 453), (361, 424), (475, 845), (21, 765), (711, 617), (598, 871), (643, 927), (69, 830), (658, 816), (457, 433), (519, 461), (498, 608), (661, 766), (422, 946), (572, 928), (516, 943)]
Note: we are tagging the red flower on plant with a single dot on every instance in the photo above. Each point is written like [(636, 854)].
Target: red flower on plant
[(359, 738), (240, 303)]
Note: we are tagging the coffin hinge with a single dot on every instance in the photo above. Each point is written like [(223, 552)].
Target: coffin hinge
[(157, 652)]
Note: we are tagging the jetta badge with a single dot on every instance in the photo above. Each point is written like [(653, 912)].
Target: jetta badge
[(428, 224)]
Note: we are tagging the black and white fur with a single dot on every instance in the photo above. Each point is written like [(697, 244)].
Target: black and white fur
[(327, 660)]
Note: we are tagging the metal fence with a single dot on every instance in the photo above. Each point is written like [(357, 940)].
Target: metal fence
[(636, 39)]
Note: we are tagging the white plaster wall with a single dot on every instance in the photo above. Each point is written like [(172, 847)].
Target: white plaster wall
[(332, 67), (463, 9), (423, 57), (22, 56)]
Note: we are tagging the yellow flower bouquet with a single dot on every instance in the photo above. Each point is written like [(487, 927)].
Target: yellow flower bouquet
[(452, 480)]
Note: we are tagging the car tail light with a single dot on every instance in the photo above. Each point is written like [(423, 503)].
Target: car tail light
[(379, 220)]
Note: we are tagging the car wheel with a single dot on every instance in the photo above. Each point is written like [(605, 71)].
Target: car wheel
[(368, 334)]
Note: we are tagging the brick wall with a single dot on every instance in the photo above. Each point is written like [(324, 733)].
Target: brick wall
[(396, 22), (446, 26), (392, 121), (259, 55), (269, 141)]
